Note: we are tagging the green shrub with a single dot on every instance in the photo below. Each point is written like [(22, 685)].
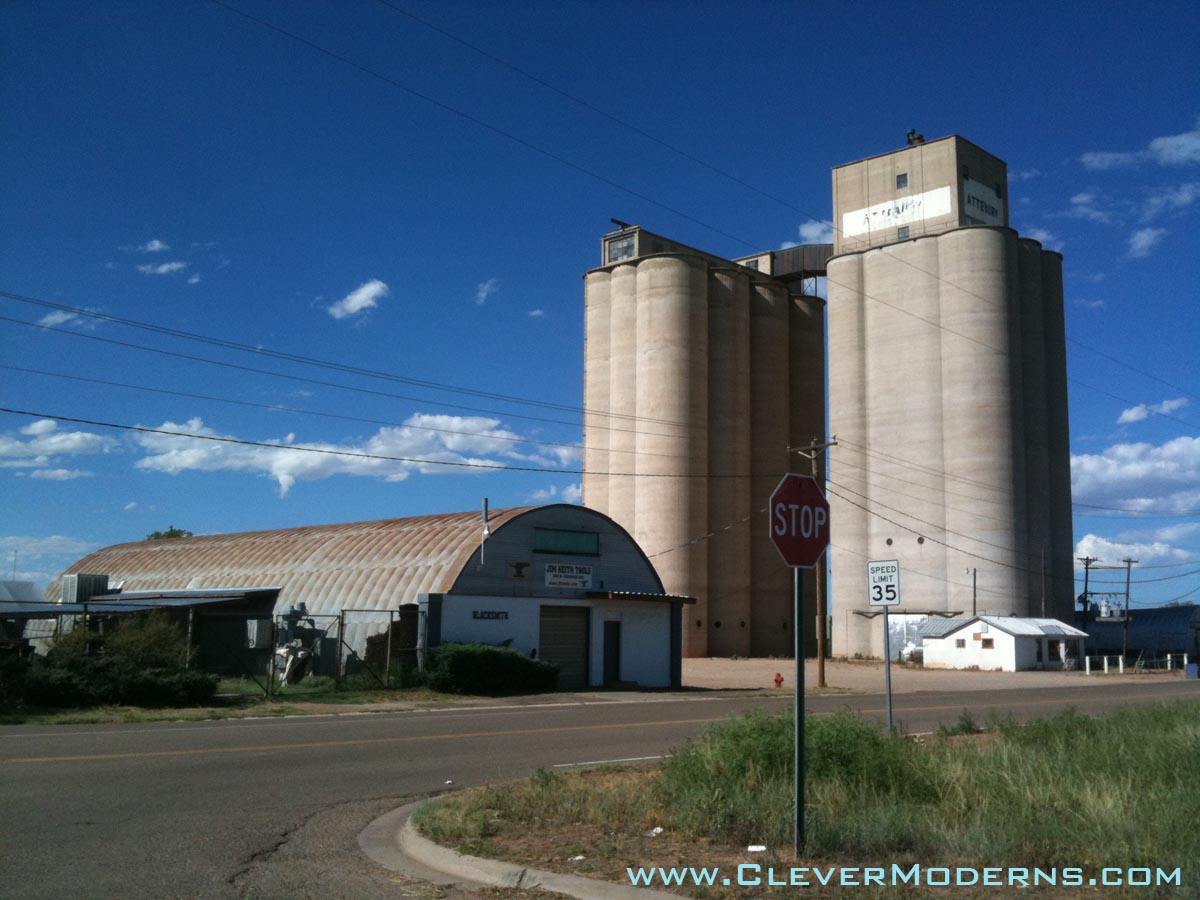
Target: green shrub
[(148, 641), (483, 669), (103, 681)]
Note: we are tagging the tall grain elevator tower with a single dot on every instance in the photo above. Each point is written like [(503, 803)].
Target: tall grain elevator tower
[(947, 393), (699, 373)]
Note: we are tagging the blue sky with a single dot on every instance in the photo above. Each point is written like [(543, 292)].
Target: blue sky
[(403, 187)]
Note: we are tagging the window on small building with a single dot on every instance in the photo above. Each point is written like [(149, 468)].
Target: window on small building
[(575, 543), (620, 248), (751, 264), (902, 232), (902, 180), (988, 643), (960, 643)]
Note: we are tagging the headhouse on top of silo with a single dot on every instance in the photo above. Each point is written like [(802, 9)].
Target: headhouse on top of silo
[(560, 583)]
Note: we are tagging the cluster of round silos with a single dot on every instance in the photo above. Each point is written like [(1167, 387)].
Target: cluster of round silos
[(698, 375), (947, 390)]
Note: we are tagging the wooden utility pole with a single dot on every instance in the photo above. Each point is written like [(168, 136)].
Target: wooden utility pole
[(1125, 623), (810, 452), (1087, 570)]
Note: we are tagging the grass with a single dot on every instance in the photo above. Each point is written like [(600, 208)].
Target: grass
[(1117, 790)]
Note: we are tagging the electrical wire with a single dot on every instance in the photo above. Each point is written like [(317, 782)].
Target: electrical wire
[(605, 180), (719, 171)]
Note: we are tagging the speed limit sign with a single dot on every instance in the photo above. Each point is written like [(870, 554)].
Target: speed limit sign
[(883, 582)]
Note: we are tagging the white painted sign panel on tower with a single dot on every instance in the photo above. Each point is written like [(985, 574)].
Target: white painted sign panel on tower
[(883, 582), (900, 211)]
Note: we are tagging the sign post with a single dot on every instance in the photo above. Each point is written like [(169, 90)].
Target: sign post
[(883, 589), (799, 523)]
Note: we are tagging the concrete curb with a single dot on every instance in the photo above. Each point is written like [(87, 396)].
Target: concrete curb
[(394, 843)]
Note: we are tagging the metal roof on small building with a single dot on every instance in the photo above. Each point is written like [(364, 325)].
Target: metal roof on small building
[(1014, 625)]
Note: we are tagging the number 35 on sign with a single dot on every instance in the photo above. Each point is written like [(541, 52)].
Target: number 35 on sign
[(883, 582)]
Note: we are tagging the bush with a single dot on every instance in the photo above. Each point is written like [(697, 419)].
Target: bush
[(82, 681), (148, 641), (483, 669)]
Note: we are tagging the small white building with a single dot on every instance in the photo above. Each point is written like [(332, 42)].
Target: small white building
[(1000, 643)]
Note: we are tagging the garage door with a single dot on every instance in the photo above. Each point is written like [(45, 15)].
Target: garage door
[(563, 640)]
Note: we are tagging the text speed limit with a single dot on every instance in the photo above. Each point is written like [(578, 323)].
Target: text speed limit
[(883, 582)]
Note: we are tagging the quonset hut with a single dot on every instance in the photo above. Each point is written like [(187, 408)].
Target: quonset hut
[(561, 582)]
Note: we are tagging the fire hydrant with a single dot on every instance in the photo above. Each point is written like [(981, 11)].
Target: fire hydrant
[(778, 680)]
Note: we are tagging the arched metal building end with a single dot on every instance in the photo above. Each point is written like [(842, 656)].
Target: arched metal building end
[(562, 582)]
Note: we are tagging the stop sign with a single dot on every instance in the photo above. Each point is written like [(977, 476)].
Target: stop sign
[(799, 520)]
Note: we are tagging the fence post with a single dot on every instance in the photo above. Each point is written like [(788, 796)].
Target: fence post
[(271, 657), (1168, 662), (337, 678), (1087, 665), (1121, 665), (1106, 665), (387, 664)]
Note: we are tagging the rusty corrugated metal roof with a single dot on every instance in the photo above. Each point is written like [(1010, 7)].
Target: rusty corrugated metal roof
[(376, 565)]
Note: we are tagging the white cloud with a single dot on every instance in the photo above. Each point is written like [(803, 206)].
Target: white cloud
[(1170, 199), (1112, 552), (1024, 174), (816, 232), (1089, 304), (1103, 161), (130, 506), (40, 427), (1047, 239), (1140, 477), (1177, 149), (1144, 411), (65, 317), (1144, 240), (59, 474), (44, 547), (1171, 150), (365, 296), (46, 443), (169, 268), (486, 289), (424, 440), (195, 279), (58, 317), (154, 246), (536, 313), (572, 493), (1087, 205)]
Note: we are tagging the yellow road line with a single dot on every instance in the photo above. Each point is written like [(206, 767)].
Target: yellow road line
[(356, 742), (360, 742)]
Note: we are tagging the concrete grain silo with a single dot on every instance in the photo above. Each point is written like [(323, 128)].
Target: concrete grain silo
[(707, 369), (947, 393)]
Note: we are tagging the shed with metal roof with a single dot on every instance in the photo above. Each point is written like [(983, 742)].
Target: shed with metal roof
[(562, 582), (1000, 643)]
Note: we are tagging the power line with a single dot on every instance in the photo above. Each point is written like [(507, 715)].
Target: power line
[(275, 407), (641, 132), (605, 180), (313, 361), (475, 120), (351, 453), (316, 381)]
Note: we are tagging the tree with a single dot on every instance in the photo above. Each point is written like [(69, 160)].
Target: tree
[(171, 532)]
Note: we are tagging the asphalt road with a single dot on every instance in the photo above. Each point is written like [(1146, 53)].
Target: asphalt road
[(272, 807)]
